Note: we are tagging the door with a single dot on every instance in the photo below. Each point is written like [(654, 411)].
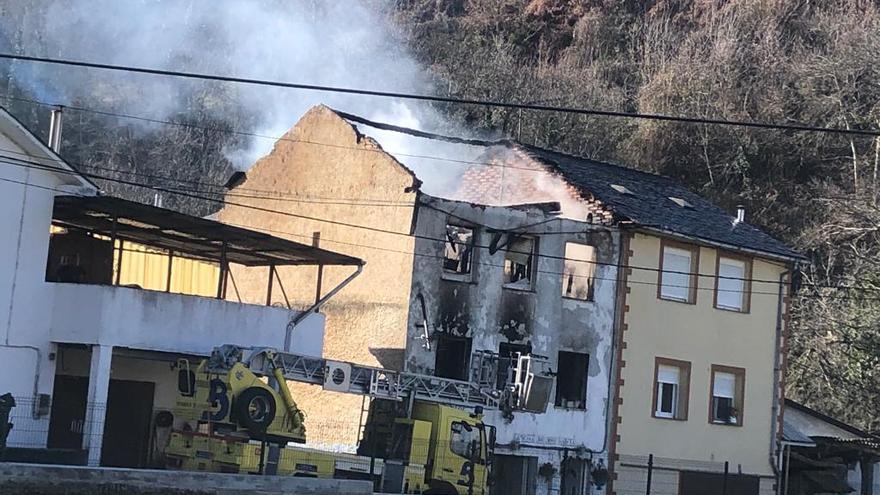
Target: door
[(514, 475), (127, 424), (573, 477), (68, 412)]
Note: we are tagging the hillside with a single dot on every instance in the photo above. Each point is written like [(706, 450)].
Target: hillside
[(783, 61)]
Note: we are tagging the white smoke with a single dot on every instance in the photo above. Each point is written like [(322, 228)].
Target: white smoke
[(336, 43)]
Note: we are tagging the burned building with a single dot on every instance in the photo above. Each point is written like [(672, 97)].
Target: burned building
[(461, 264), (585, 274)]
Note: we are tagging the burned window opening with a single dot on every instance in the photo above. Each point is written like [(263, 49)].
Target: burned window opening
[(571, 380), (579, 270), (453, 357), (459, 248), (507, 354), (519, 262)]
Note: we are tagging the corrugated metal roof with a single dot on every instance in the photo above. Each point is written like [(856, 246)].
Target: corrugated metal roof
[(181, 233), (790, 433)]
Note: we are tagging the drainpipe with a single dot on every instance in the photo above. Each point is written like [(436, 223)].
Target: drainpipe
[(776, 393), (296, 320)]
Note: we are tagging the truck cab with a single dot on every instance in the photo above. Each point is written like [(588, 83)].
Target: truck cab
[(455, 447)]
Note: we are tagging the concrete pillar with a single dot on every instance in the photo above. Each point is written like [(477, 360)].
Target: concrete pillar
[(96, 405)]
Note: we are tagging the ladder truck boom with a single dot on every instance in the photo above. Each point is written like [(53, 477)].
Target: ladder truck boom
[(342, 376)]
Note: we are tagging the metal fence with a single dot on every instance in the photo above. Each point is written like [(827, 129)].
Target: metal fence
[(653, 475)]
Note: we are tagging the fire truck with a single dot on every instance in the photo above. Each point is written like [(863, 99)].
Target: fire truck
[(239, 416)]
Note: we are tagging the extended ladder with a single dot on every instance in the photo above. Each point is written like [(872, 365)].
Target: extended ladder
[(342, 376)]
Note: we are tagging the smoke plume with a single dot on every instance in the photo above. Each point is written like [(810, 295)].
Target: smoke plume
[(349, 44)]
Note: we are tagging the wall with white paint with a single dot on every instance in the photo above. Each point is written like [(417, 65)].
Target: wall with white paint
[(159, 321), (491, 314), (26, 201)]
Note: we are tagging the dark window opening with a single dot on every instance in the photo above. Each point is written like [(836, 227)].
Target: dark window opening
[(458, 252), (519, 262), (507, 361), (668, 392), (571, 380), (453, 357)]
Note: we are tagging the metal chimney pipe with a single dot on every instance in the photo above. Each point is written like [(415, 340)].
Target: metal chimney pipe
[(740, 213), (55, 130)]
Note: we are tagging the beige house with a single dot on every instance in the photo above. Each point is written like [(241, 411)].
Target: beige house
[(700, 348)]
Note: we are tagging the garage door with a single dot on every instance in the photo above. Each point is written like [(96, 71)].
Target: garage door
[(696, 483)]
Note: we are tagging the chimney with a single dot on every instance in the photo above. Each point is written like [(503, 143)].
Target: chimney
[(55, 130), (740, 214)]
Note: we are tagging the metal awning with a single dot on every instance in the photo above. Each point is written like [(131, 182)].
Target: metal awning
[(186, 234)]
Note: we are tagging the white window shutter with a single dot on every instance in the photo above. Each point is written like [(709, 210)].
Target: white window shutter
[(725, 385), (668, 374), (676, 285), (731, 290)]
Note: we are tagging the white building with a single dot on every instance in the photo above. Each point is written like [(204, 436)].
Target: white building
[(90, 362)]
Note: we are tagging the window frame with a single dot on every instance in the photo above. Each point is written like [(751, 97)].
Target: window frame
[(747, 282), (472, 263), (693, 278), (591, 292), (739, 393), (533, 269), (684, 387)]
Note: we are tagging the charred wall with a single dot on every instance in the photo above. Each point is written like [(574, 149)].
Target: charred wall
[(490, 312)]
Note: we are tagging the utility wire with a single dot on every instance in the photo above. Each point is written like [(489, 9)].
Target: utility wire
[(424, 255), (439, 99), (282, 138), (546, 256), (26, 164)]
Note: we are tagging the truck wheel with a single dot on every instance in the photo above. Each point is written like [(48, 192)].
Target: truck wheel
[(255, 409)]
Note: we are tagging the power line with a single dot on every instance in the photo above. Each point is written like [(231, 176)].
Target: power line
[(278, 138), (425, 255), (26, 164), (428, 238), (440, 99)]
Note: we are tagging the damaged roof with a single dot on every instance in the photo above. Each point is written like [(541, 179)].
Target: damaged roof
[(653, 201), (647, 200)]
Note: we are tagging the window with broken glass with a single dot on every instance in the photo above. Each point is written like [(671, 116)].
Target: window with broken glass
[(578, 271), (458, 252), (519, 262)]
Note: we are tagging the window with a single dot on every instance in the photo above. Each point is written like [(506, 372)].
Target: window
[(571, 380), (519, 262), (671, 388), (678, 272), (578, 272), (458, 254), (732, 285), (727, 391), (465, 440), (453, 357), (507, 354)]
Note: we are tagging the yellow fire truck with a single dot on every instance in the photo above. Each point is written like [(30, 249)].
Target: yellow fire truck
[(240, 417)]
